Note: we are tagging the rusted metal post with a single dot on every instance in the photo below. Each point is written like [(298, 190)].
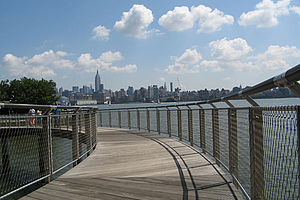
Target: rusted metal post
[(216, 145), (256, 153), (109, 119), (232, 140), (75, 139), (148, 120), (120, 119), (298, 141), (190, 126), (202, 129), (169, 122), (158, 121), (138, 120), (129, 120), (179, 124)]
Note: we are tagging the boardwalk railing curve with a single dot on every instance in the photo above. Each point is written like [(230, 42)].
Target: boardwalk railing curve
[(258, 146), (37, 148)]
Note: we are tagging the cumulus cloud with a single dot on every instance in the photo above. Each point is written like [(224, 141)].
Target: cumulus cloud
[(40, 65), (278, 57), (183, 18), (266, 14), (101, 33), (210, 20), (296, 9), (186, 63), (229, 49), (44, 64), (178, 19), (135, 22)]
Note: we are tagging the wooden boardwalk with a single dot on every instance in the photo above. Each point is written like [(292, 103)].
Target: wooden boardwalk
[(135, 165)]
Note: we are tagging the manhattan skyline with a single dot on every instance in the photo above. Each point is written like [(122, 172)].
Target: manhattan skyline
[(204, 44)]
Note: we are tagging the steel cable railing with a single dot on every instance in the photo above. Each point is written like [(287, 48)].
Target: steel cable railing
[(35, 149), (258, 146)]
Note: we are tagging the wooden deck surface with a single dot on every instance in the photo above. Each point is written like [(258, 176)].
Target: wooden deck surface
[(136, 165)]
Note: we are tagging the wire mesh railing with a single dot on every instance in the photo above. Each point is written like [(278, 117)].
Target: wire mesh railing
[(34, 149)]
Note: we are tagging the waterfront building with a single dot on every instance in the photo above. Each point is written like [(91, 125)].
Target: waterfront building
[(75, 89)]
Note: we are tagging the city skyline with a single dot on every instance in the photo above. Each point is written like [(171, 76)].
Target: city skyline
[(195, 45)]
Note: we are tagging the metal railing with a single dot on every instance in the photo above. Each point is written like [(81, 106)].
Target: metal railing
[(37, 148), (257, 146)]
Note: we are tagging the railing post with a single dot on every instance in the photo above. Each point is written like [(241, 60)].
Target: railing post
[(298, 141), (109, 119), (202, 130), (169, 122), (190, 126), (179, 125), (94, 125), (75, 140), (232, 140), (256, 154), (100, 119), (148, 120), (158, 121), (45, 149), (138, 119), (120, 119), (87, 131), (129, 120), (216, 146)]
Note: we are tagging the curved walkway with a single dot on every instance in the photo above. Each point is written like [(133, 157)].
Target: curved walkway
[(135, 165)]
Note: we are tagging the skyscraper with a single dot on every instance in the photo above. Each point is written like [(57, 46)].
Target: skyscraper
[(171, 86), (97, 82)]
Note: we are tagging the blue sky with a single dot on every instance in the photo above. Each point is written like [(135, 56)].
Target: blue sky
[(203, 44)]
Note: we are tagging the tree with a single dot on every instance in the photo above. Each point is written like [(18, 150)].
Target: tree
[(32, 91), (4, 87)]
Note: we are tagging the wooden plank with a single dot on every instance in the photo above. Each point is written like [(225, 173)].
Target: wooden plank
[(136, 165)]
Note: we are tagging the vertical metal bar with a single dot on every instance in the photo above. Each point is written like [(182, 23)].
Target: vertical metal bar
[(158, 121), (298, 141), (202, 129), (233, 148), (169, 122), (75, 140), (87, 131), (129, 119), (109, 119), (100, 116), (120, 119), (67, 118), (138, 119), (216, 146), (256, 154), (190, 126), (148, 120), (179, 124)]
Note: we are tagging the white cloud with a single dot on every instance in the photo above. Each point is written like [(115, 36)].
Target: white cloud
[(135, 22), (266, 14), (296, 9), (178, 19), (38, 66), (210, 20), (229, 49), (111, 56), (43, 65), (181, 18), (186, 63), (278, 57), (103, 62), (211, 65), (100, 32)]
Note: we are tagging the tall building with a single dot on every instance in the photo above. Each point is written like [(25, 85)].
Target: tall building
[(75, 89), (97, 82), (171, 86)]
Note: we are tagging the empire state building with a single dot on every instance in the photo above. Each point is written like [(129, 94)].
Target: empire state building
[(97, 82)]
